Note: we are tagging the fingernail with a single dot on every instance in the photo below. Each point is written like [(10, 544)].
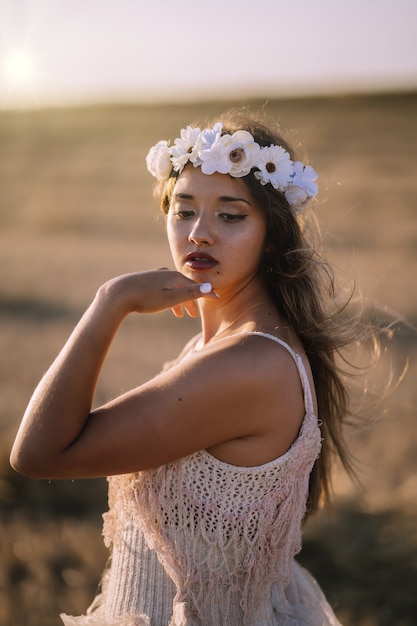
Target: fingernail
[(205, 288)]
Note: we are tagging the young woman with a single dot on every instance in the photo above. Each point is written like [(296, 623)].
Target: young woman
[(215, 463)]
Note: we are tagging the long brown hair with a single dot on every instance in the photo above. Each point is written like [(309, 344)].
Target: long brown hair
[(302, 287)]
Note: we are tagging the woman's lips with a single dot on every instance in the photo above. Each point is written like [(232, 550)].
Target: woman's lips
[(200, 261)]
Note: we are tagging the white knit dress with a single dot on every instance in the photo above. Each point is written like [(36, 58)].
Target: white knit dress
[(200, 542)]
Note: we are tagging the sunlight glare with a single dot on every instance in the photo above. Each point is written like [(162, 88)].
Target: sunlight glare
[(19, 77), (19, 69)]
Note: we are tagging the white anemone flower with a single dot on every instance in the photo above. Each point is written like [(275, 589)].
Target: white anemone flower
[(158, 161), (275, 167), (242, 152), (183, 149)]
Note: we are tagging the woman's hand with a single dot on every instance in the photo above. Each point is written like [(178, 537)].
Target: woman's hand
[(156, 290)]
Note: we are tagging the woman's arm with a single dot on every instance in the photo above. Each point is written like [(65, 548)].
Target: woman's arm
[(60, 406), (241, 397)]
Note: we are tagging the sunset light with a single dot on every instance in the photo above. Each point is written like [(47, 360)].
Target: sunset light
[(19, 73), (48, 55), (18, 68)]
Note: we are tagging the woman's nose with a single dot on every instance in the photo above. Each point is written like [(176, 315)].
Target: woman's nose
[(200, 233)]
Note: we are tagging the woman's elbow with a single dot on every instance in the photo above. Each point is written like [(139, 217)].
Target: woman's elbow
[(27, 465)]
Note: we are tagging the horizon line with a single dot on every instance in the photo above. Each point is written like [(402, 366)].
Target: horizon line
[(135, 100)]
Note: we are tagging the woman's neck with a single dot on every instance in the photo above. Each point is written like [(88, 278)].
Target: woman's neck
[(229, 314)]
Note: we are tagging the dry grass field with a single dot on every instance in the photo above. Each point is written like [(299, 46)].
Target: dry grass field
[(76, 208)]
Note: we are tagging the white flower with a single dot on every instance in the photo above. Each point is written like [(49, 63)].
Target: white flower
[(236, 155), (208, 137), (214, 157), (208, 149), (229, 154), (305, 177), (275, 167), (184, 149), (158, 161), (242, 152), (303, 186)]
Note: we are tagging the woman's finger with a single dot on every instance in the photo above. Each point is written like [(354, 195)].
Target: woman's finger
[(178, 310), (192, 308), (186, 297)]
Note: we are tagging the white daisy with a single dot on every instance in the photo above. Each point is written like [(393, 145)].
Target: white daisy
[(183, 149), (275, 167)]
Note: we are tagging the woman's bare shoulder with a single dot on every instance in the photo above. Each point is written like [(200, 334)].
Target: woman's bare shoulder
[(258, 384), (238, 393)]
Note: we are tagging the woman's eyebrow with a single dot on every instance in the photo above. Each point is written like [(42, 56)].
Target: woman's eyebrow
[(188, 196), (183, 196), (234, 199)]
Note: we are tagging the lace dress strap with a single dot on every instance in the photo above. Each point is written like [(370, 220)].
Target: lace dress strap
[(308, 395)]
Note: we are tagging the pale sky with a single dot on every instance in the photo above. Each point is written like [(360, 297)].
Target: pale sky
[(75, 51)]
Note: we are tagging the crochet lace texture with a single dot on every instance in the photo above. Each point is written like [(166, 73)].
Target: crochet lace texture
[(221, 532)]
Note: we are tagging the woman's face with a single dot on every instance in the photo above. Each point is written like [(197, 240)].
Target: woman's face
[(216, 230)]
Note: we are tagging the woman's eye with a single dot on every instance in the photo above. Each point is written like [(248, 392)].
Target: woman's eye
[(183, 214), (232, 217)]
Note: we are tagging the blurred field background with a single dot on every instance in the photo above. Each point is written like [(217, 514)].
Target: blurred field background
[(76, 208)]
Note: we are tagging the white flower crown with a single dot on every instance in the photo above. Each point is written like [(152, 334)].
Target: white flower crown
[(235, 155)]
